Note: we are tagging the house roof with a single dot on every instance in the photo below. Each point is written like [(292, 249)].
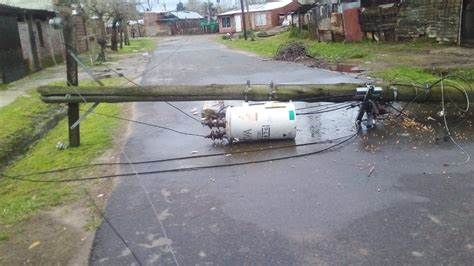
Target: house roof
[(260, 7), (303, 9), (178, 14), (18, 11), (186, 15)]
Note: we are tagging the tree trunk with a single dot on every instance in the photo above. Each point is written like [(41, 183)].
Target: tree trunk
[(103, 33), (113, 40), (121, 35), (125, 33)]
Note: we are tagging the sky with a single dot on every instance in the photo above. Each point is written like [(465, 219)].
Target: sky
[(171, 4)]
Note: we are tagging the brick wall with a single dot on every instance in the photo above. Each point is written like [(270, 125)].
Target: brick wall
[(50, 49), (81, 33), (437, 19)]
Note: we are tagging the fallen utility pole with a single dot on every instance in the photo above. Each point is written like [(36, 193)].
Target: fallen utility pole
[(73, 96), (258, 92)]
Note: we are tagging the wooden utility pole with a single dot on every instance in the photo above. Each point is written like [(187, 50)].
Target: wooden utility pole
[(255, 92), (252, 25), (69, 34), (243, 18)]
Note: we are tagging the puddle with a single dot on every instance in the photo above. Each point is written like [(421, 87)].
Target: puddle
[(344, 68), (336, 67)]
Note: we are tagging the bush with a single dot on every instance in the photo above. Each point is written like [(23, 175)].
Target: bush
[(298, 33)]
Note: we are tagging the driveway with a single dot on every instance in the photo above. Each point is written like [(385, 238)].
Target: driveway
[(384, 198)]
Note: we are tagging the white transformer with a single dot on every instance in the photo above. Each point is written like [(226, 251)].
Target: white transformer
[(271, 120)]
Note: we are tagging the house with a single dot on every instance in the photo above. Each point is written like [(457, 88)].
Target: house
[(261, 17), (448, 21), (172, 22), (83, 31), (28, 42), (334, 20)]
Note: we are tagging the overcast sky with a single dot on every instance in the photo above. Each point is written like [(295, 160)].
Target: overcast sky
[(171, 4)]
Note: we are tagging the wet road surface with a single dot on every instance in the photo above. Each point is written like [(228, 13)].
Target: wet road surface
[(384, 198)]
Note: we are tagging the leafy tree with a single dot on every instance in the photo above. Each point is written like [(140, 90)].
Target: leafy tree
[(180, 6)]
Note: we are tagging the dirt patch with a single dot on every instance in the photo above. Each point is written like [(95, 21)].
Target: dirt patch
[(294, 51)]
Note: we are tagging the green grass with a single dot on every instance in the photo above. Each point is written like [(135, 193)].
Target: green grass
[(4, 236), (405, 73), (332, 52), (412, 74), (20, 200), (19, 120), (4, 87), (139, 45)]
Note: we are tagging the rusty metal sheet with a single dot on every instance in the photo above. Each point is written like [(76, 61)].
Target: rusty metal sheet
[(353, 32)]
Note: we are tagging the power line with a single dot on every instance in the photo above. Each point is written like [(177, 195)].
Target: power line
[(149, 124), (326, 110), (181, 158), (106, 220), (170, 104), (135, 173), (183, 169)]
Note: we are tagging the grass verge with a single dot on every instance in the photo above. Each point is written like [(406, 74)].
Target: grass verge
[(4, 87), (20, 200), (331, 52), (139, 45), (21, 121)]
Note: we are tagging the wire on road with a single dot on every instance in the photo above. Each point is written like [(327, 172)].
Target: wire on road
[(59, 170), (185, 169)]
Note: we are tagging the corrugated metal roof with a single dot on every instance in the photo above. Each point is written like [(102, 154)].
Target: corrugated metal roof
[(260, 7), (179, 14), (186, 15)]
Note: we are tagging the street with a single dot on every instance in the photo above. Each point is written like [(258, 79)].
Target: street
[(383, 198)]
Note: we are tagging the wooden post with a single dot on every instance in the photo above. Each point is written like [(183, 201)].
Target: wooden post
[(243, 19), (71, 72)]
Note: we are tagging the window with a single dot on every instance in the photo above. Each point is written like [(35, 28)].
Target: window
[(260, 19), (225, 22)]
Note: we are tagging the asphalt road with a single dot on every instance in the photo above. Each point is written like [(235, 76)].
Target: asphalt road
[(384, 198)]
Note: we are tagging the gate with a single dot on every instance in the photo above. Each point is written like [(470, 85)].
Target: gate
[(12, 66)]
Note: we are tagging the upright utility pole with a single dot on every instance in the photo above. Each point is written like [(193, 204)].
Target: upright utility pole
[(243, 18), (69, 34), (208, 11), (248, 13)]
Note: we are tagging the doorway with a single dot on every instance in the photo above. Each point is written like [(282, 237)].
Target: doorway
[(12, 66), (467, 23), (238, 23)]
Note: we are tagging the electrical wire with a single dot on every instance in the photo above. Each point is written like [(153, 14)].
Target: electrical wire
[(346, 97), (170, 104), (328, 105), (136, 174), (180, 158), (326, 111), (443, 110), (149, 124), (107, 221), (185, 168)]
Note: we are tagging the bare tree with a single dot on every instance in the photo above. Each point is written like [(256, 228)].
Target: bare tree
[(98, 10), (147, 5)]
